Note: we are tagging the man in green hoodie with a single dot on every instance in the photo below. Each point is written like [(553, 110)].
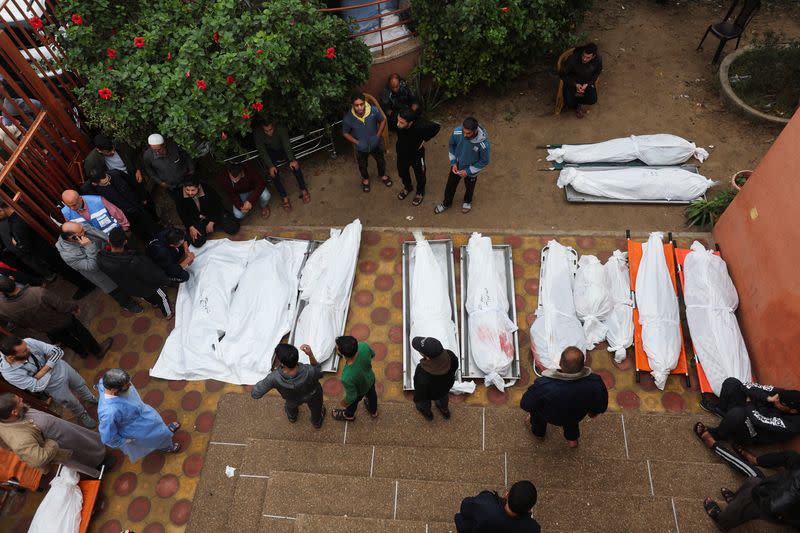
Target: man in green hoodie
[(358, 378)]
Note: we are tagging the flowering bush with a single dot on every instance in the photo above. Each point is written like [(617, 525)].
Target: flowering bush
[(198, 71), (467, 42)]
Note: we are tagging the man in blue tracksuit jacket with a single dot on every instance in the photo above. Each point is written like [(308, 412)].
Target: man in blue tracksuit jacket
[(469, 154)]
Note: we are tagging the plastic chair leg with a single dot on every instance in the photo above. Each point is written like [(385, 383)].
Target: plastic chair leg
[(719, 51), (704, 38)]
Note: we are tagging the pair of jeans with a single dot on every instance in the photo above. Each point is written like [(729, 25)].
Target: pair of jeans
[(64, 393), (315, 405), (452, 184), (363, 160), (370, 398), (424, 406), (278, 156), (539, 427), (263, 200), (572, 101), (76, 337), (417, 162)]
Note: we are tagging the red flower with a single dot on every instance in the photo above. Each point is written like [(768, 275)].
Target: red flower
[(504, 10), (77, 19), (245, 114), (230, 80), (36, 23), (111, 53), (138, 42), (188, 73), (215, 36), (169, 56), (105, 93), (258, 106), (201, 84), (259, 52), (331, 53), (224, 136)]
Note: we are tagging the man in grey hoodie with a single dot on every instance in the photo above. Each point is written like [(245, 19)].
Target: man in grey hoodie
[(297, 383), (468, 149)]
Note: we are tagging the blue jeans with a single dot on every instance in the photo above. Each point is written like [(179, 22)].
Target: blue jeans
[(263, 200)]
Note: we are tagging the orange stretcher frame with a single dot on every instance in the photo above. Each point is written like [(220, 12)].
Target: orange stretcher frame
[(634, 258), (16, 472), (90, 488)]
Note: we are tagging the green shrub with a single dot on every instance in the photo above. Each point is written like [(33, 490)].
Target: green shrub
[(704, 212), (207, 66), (468, 42)]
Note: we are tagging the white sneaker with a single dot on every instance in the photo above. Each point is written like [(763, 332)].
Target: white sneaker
[(87, 421), (466, 208)]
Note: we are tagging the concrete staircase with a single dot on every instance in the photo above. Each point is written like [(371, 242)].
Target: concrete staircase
[(400, 473)]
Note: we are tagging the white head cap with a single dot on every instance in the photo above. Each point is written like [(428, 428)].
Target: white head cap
[(155, 139)]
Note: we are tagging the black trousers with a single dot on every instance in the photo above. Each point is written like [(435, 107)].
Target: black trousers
[(225, 222), (742, 508), (452, 184), (362, 158), (539, 427), (277, 181), (735, 425), (370, 398), (143, 225), (424, 406), (572, 100), (404, 165), (314, 405), (160, 299), (76, 337)]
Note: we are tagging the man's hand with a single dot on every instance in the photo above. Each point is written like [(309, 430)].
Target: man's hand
[(83, 240), (454, 169), (187, 260), (246, 207), (210, 227), (44, 370), (139, 176), (163, 185), (273, 171), (294, 165), (462, 173), (193, 233), (306, 349)]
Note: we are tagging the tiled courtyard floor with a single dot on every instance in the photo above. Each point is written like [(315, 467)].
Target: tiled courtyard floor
[(155, 495)]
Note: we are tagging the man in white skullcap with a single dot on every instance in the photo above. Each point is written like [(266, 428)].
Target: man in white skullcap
[(167, 163)]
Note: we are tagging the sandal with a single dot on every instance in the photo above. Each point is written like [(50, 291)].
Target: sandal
[(700, 429), (175, 448), (306, 196), (365, 186), (174, 426), (387, 181), (287, 205), (403, 194), (748, 456), (440, 208), (417, 200), (712, 509), (338, 414), (466, 208), (728, 494), (265, 212)]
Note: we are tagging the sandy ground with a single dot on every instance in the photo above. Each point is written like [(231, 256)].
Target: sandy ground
[(653, 81)]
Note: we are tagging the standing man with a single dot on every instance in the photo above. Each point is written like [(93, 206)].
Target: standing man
[(358, 378), (363, 126), (44, 441), (579, 73), (79, 246), (135, 273), (113, 187), (412, 134), (167, 164), (297, 383), (488, 512), (127, 423), (564, 397), (245, 190), (170, 251), (91, 210), (434, 376), (468, 150), (37, 308), (396, 97), (36, 366), (201, 211), (274, 147)]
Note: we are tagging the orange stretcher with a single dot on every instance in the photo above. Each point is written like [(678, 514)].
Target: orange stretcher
[(90, 489), (16, 473), (634, 258)]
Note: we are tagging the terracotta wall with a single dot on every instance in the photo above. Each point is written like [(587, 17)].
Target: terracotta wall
[(381, 69), (759, 236)]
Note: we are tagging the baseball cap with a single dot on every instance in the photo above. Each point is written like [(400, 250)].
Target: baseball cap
[(427, 346)]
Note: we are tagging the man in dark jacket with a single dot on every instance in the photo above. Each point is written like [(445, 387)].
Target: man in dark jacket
[(114, 186), (170, 251), (754, 414), (565, 396), (135, 273), (167, 164), (296, 382), (396, 96), (434, 376), (579, 73), (274, 147), (201, 210), (412, 133), (38, 309), (245, 190), (489, 513)]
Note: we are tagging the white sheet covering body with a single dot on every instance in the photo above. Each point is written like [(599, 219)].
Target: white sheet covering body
[(326, 282), (658, 311), (592, 300), (637, 183), (556, 326), (60, 510), (207, 309), (620, 320), (491, 332), (711, 301), (656, 149)]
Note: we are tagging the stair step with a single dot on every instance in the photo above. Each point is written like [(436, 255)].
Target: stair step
[(668, 437), (263, 456), (347, 524), (214, 492), (692, 517), (248, 501), (276, 524)]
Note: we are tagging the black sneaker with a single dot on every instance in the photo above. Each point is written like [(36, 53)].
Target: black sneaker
[(707, 403), (136, 309), (428, 415), (444, 410), (324, 412)]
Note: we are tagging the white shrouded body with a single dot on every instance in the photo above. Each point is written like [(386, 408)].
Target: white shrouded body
[(637, 183), (592, 300), (656, 149), (711, 301), (620, 320), (60, 510)]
